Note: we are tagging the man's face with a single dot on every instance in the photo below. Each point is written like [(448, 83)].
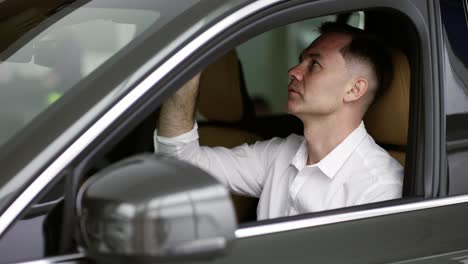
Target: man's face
[(319, 82)]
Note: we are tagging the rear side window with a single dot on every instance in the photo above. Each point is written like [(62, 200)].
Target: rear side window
[(456, 40), (454, 19)]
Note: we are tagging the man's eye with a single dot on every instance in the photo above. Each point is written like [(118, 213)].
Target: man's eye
[(314, 64)]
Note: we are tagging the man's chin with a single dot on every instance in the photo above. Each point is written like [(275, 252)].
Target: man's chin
[(291, 109), (291, 105)]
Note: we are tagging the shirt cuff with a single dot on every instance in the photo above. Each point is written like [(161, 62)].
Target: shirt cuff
[(173, 144)]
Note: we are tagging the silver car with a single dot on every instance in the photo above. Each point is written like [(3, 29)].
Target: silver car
[(81, 85)]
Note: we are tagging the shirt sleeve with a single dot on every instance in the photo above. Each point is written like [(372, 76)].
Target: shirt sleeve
[(243, 169)]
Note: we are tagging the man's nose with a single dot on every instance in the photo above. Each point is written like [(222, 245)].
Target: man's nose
[(295, 73)]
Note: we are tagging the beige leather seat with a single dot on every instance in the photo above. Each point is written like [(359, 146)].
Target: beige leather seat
[(223, 105), (387, 119)]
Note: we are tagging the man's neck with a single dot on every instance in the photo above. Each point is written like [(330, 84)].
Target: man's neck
[(322, 135)]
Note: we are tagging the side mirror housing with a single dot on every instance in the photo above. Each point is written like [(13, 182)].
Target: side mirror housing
[(151, 207)]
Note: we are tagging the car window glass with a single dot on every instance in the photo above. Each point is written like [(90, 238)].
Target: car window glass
[(456, 35), (266, 59), (48, 65), (455, 22)]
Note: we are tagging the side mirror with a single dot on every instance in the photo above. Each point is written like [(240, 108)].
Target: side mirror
[(151, 207)]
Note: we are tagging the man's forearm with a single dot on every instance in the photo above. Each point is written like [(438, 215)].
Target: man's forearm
[(177, 113)]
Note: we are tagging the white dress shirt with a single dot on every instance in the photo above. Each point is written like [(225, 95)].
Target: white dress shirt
[(357, 171)]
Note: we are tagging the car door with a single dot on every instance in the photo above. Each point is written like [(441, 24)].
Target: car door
[(417, 226)]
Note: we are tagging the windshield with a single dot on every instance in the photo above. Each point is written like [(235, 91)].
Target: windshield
[(73, 44)]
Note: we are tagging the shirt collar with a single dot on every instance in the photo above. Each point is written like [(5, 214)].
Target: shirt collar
[(334, 160)]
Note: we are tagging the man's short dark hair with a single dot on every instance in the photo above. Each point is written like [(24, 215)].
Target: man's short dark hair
[(367, 48)]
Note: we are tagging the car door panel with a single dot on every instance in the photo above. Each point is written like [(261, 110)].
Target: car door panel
[(382, 239)]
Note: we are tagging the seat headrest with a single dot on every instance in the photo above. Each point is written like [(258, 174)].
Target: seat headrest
[(220, 96), (387, 118)]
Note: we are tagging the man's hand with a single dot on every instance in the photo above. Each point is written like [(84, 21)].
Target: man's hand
[(178, 112)]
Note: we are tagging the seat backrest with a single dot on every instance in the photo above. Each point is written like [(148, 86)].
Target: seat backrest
[(223, 96), (223, 104), (387, 119)]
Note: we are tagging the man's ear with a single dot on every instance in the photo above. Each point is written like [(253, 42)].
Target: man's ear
[(358, 88)]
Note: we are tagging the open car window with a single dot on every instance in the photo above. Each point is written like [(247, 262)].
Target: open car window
[(267, 58), (243, 99)]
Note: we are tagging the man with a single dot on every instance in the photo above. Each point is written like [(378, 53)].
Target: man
[(335, 164)]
